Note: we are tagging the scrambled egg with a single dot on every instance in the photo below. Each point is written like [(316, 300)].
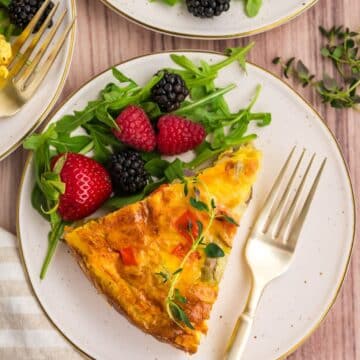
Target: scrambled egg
[(5, 56)]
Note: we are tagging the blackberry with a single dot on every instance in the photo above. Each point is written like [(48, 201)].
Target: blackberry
[(207, 8), (22, 11), (169, 92), (127, 171)]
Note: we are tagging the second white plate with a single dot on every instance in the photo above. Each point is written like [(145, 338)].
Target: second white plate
[(15, 128), (178, 21)]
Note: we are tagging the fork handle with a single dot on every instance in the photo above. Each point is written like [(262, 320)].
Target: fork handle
[(242, 329), (239, 337)]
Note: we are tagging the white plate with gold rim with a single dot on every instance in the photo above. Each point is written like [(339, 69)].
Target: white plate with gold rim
[(177, 21), (291, 308), (15, 128)]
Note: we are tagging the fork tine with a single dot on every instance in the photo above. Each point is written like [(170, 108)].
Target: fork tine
[(21, 61), (30, 69), (293, 224), (291, 213), (263, 217), (275, 220), (37, 79), (19, 42)]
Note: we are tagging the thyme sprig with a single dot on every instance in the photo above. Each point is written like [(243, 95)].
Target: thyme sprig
[(173, 308), (174, 298), (343, 51)]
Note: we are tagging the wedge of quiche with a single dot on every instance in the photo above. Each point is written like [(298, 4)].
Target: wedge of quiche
[(159, 261)]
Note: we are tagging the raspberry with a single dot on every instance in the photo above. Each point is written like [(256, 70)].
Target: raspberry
[(177, 135), (135, 129)]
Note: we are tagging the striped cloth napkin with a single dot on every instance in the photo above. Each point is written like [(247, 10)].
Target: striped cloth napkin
[(25, 332)]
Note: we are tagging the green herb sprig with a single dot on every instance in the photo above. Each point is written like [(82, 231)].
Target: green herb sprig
[(343, 51), (174, 299)]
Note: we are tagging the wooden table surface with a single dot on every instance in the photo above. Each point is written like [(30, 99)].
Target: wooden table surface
[(105, 39)]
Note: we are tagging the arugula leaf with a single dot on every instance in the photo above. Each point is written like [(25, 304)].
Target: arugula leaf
[(103, 115), (39, 201), (253, 7), (185, 63), (117, 202), (121, 77), (66, 143), (174, 171), (35, 141), (69, 123), (156, 167), (54, 237)]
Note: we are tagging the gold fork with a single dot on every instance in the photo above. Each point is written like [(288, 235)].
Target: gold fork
[(26, 76), (272, 241)]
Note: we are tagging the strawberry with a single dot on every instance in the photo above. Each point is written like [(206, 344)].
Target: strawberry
[(177, 135), (87, 186), (135, 129)]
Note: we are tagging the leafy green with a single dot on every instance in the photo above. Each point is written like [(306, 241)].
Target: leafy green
[(206, 104), (174, 171), (252, 7), (156, 167)]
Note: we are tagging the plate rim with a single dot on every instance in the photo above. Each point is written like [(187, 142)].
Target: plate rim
[(58, 92), (259, 30), (305, 101)]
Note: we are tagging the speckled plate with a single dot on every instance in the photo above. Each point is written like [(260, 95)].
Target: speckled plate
[(292, 306), (177, 21), (15, 128)]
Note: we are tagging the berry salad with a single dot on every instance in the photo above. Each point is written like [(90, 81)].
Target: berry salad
[(206, 9), (128, 142)]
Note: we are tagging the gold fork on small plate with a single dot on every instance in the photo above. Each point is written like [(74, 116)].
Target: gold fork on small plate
[(26, 76), (273, 237)]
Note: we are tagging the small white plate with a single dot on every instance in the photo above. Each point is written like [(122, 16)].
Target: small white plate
[(291, 308), (177, 21), (15, 128)]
